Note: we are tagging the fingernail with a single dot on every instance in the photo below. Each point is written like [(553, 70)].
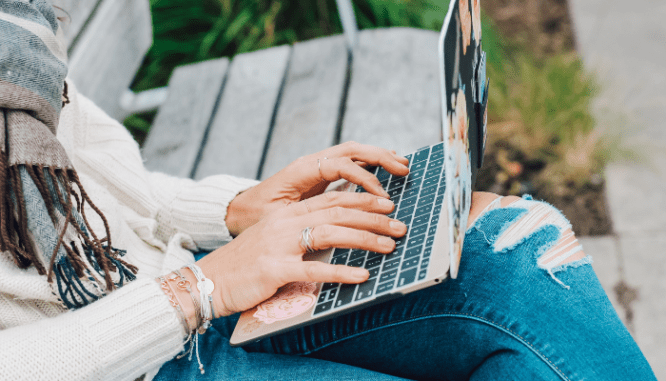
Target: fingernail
[(397, 225), (360, 273), (385, 201), (385, 241)]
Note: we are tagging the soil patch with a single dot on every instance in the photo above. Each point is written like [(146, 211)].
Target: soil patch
[(544, 28)]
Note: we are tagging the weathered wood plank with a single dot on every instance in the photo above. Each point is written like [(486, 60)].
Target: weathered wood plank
[(394, 95), (237, 136), (178, 132), (107, 56), (309, 108), (78, 12)]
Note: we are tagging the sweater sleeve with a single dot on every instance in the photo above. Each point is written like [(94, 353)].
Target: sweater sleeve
[(109, 154), (127, 333)]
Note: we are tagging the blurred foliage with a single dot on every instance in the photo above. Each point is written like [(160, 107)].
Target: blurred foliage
[(539, 108)]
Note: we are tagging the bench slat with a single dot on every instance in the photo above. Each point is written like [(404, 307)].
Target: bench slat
[(111, 49), (309, 109), (394, 96), (237, 136), (178, 132), (78, 12)]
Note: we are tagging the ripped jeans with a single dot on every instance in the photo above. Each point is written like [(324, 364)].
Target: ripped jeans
[(516, 312)]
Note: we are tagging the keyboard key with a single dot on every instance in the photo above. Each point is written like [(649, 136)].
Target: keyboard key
[(433, 172), (409, 157), (410, 192), (439, 199), (425, 263), (356, 263), (391, 264), (409, 263), (435, 219), (429, 190), (356, 254), (366, 289), (414, 251), (382, 174), (374, 262), (397, 182), (345, 295), (432, 230), (332, 294), (407, 219), (386, 276), (415, 175), (423, 273), (340, 251), (328, 286), (435, 163), (373, 273), (430, 241), (416, 183), (384, 287), (424, 210), (422, 155), (437, 210), (372, 169), (436, 154), (408, 202), (421, 229), (407, 277), (394, 192), (426, 252), (429, 199), (406, 212), (416, 241), (322, 297), (430, 181), (323, 307), (418, 165), (339, 260), (420, 219)]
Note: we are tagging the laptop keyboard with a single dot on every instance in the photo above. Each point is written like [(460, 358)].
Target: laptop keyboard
[(418, 199)]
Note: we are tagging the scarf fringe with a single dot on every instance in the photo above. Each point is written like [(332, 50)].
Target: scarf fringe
[(58, 187)]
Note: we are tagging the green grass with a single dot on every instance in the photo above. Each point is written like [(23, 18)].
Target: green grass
[(548, 100)]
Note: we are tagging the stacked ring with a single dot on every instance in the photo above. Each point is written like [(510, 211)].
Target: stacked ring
[(307, 241)]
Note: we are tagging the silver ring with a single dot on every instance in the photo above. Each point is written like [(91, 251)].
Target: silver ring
[(307, 206), (319, 165), (307, 242)]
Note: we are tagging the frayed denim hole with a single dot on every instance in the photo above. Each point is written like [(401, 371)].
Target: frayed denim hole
[(587, 260), (494, 222), (546, 237)]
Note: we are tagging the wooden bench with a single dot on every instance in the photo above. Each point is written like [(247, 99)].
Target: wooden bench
[(253, 115)]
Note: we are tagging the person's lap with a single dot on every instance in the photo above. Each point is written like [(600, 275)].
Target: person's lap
[(503, 318)]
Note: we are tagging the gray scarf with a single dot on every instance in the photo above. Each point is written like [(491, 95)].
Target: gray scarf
[(42, 205)]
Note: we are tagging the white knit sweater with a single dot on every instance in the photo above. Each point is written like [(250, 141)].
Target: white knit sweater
[(156, 218)]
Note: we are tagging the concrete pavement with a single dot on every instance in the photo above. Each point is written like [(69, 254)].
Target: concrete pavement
[(624, 44)]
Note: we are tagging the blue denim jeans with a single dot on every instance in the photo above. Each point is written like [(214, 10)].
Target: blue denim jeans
[(504, 318)]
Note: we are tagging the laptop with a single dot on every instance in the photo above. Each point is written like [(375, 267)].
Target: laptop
[(433, 200)]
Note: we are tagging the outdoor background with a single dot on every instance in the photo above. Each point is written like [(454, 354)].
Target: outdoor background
[(576, 112), (542, 136)]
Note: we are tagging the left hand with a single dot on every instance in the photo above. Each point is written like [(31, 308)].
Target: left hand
[(309, 176)]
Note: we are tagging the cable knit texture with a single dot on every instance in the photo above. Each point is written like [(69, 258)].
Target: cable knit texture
[(158, 219)]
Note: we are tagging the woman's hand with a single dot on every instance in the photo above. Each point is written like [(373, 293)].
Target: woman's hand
[(269, 254), (309, 176)]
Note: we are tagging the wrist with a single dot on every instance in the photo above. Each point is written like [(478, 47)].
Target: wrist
[(241, 213)]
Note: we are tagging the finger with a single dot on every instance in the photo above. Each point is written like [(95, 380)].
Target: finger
[(343, 168), (327, 236), (313, 271), (355, 219), (352, 200), (372, 155)]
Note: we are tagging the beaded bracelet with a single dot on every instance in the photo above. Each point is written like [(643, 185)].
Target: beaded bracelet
[(166, 287), (206, 287)]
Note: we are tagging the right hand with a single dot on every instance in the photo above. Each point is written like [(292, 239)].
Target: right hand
[(268, 255)]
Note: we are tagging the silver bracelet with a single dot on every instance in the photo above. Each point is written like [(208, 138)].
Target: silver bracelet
[(206, 287)]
